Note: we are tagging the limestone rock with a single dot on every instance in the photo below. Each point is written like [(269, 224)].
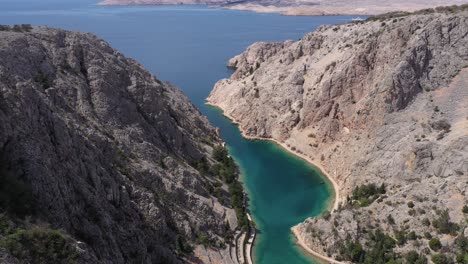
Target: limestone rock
[(382, 101), (105, 147)]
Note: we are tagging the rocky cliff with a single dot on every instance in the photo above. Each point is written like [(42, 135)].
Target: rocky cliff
[(382, 105), (96, 147)]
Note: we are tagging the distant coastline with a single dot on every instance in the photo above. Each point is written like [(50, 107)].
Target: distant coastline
[(291, 8)]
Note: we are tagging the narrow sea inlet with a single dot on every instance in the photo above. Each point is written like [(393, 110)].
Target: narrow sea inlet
[(283, 190), (189, 47)]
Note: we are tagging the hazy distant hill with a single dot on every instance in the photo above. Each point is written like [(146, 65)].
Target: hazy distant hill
[(305, 7)]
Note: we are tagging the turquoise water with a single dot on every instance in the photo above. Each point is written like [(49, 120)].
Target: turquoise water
[(189, 46), (283, 191)]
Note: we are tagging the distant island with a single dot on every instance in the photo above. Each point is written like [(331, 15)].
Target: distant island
[(305, 8)]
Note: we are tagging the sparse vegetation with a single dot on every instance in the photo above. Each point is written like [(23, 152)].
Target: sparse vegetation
[(444, 225), (441, 259), (364, 195), (39, 245), (413, 257), (461, 243), (379, 249), (465, 209), (16, 28), (402, 14), (390, 220), (182, 246), (435, 244)]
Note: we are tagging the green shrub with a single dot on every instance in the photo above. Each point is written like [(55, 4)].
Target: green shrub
[(427, 235), (40, 246), (465, 209), (182, 246), (411, 236), (202, 166), (435, 244), (400, 236), (354, 251), (426, 222), (444, 225), (5, 225), (380, 248), (220, 153), (461, 243), (413, 257), (203, 239), (462, 258), (410, 204), (365, 194), (441, 259)]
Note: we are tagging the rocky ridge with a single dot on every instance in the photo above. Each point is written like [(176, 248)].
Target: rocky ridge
[(382, 105), (95, 146)]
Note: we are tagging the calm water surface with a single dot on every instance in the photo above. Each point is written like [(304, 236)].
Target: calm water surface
[(189, 46)]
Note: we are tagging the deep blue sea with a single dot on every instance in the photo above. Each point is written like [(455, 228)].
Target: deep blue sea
[(189, 47)]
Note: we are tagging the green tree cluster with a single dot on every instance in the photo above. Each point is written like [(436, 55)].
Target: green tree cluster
[(379, 249), (365, 194), (227, 170)]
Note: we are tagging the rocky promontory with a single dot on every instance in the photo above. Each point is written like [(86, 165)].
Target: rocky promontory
[(101, 162), (382, 105)]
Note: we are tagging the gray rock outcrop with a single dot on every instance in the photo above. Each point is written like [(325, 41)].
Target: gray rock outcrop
[(107, 149), (383, 101)]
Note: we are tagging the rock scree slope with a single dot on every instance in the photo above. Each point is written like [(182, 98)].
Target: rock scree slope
[(106, 152), (382, 105)]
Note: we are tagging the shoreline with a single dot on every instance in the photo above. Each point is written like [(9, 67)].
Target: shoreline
[(303, 245), (335, 189), (283, 11), (292, 10)]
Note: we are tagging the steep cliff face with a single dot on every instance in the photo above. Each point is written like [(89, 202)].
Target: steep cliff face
[(383, 101), (106, 151)]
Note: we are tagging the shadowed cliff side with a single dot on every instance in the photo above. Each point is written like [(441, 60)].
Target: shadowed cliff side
[(104, 152)]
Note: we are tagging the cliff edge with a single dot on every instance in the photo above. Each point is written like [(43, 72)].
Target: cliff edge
[(100, 162), (382, 105)]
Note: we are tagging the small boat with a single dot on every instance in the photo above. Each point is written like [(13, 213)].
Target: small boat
[(357, 19)]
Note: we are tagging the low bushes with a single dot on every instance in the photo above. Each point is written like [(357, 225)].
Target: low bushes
[(40, 246), (365, 194)]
